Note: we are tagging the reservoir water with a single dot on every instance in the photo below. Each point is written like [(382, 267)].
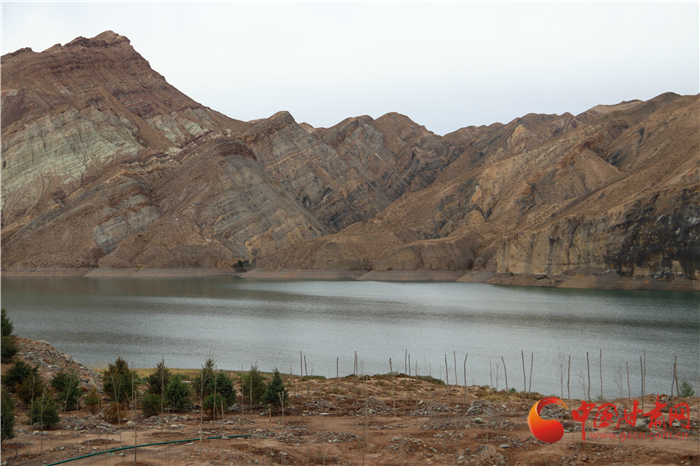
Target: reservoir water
[(240, 322)]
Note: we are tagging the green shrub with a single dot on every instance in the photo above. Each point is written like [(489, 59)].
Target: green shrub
[(115, 412), (204, 384), (177, 394), (686, 390), (158, 379), (215, 402), (31, 388), (151, 405), (433, 380), (276, 391), (66, 384), (8, 417), (44, 411), (8, 347), (204, 380), (252, 387), (92, 401), (119, 381), (16, 374), (6, 327)]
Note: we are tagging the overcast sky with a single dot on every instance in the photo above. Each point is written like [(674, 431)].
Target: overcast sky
[(445, 65)]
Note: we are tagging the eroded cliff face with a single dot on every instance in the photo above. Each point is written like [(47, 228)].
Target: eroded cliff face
[(72, 112), (613, 188), (352, 171), (105, 164)]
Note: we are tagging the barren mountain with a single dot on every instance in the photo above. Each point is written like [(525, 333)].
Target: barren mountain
[(106, 164), (616, 187)]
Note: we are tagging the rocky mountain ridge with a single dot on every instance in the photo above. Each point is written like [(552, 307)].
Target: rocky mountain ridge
[(104, 164)]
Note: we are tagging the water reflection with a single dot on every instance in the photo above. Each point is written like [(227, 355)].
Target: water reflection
[(243, 321)]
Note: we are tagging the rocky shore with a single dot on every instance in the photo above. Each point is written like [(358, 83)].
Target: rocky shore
[(582, 277)]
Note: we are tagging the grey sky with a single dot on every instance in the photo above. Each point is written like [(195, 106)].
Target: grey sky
[(445, 65)]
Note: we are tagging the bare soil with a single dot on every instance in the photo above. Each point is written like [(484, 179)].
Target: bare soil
[(348, 421)]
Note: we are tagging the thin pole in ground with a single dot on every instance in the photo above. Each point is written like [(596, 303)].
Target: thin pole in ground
[(588, 364), (465, 378), (641, 367), (308, 387), (133, 411), (532, 362), (393, 392), (522, 355), (602, 397), (629, 387), (675, 375), (455, 358), (568, 382), (447, 373)]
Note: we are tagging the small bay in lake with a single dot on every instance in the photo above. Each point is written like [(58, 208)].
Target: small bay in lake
[(240, 322)]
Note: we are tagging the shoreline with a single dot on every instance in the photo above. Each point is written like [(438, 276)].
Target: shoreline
[(595, 281), (407, 419)]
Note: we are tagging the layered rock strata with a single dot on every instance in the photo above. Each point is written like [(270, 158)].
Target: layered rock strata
[(105, 164)]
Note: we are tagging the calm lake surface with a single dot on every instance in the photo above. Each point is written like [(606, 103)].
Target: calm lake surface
[(241, 322)]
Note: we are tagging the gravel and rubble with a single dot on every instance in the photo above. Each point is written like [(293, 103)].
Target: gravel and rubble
[(373, 406), (51, 361), (445, 427)]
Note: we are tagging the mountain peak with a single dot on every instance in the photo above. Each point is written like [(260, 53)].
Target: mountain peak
[(107, 38)]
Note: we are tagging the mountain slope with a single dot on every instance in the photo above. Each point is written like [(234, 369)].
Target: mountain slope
[(106, 164), (543, 194)]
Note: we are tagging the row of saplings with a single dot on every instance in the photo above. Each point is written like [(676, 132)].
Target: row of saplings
[(213, 390)]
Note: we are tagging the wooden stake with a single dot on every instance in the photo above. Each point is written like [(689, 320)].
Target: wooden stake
[(133, 406), (629, 388), (506, 374), (391, 374), (532, 362), (602, 397), (465, 378), (447, 372), (588, 363), (568, 382), (455, 356), (641, 368), (644, 376), (522, 355), (674, 379)]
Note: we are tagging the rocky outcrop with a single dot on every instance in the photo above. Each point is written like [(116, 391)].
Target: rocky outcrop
[(352, 171), (614, 188), (73, 112), (104, 164)]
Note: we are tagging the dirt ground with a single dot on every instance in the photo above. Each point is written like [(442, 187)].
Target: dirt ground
[(350, 421)]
